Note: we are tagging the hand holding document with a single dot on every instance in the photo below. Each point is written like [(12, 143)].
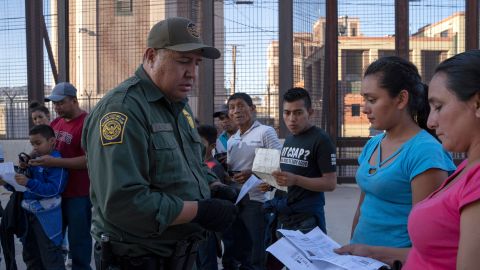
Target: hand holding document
[(252, 182), (314, 250), (7, 172), (266, 161)]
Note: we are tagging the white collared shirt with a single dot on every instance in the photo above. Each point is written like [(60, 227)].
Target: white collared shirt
[(241, 150)]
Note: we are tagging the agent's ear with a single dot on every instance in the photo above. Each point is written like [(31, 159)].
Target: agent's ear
[(149, 55), (402, 98), (476, 101), (310, 112)]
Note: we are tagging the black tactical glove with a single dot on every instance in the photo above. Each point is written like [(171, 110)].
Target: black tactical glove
[(215, 214), (224, 192)]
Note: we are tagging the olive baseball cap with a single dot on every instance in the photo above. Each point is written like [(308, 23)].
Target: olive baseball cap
[(60, 91), (181, 35)]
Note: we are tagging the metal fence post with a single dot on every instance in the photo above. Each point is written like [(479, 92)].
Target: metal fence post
[(285, 56)]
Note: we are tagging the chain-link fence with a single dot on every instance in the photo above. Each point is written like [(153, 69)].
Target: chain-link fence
[(106, 41), (14, 110)]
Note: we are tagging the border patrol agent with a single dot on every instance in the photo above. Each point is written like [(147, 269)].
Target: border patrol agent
[(149, 184)]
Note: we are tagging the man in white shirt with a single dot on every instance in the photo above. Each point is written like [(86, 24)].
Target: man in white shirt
[(248, 245)]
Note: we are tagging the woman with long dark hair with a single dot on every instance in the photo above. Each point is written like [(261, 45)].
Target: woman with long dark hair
[(401, 166), (444, 226)]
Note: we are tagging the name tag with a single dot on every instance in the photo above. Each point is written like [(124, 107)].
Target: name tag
[(159, 127)]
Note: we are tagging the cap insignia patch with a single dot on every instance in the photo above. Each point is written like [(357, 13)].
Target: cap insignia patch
[(192, 30), (112, 127)]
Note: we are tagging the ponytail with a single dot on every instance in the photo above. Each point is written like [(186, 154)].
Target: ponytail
[(422, 109)]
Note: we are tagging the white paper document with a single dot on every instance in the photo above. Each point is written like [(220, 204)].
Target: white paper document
[(314, 250), (266, 161), (8, 175), (252, 182)]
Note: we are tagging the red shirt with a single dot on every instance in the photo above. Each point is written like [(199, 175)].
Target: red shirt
[(69, 135)]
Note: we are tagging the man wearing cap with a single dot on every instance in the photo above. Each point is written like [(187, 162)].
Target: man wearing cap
[(76, 206), (229, 128), (150, 186)]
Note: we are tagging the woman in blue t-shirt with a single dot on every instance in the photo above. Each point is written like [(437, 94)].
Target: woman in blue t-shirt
[(401, 166)]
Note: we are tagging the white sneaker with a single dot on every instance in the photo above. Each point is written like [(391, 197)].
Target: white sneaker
[(68, 263)]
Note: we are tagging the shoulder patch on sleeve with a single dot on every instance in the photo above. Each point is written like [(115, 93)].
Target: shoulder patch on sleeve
[(112, 127)]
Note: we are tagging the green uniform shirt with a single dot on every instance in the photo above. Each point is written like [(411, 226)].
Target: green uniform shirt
[(144, 160)]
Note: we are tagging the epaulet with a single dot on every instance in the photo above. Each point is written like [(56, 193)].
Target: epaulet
[(119, 93), (127, 84)]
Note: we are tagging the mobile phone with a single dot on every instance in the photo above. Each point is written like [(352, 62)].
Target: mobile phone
[(219, 156)]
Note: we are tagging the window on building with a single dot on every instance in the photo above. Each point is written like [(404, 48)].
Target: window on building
[(297, 72), (430, 60), (355, 109), (123, 7), (444, 33), (353, 64), (353, 30)]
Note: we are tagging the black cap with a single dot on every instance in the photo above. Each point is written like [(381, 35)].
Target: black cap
[(221, 110)]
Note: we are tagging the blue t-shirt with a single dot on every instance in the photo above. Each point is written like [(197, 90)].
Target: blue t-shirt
[(387, 187), (222, 140)]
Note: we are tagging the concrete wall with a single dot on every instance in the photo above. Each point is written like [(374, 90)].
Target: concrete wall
[(11, 149)]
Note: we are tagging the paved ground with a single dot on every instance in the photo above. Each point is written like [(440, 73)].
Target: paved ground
[(340, 208), (341, 205)]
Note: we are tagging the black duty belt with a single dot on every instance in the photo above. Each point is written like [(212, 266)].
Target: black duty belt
[(183, 258)]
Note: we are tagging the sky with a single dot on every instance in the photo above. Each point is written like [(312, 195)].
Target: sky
[(13, 63), (248, 27), (12, 43), (253, 27)]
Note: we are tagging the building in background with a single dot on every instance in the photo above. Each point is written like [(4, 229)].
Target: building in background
[(303, 46), (108, 37), (428, 47)]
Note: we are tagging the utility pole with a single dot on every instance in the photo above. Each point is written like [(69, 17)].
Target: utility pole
[(233, 81), (234, 63)]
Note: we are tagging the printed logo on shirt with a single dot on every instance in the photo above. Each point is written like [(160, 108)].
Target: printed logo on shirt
[(112, 127), (295, 156), (333, 159), (189, 118), (63, 136)]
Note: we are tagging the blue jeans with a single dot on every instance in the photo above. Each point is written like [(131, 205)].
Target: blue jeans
[(248, 231), (77, 216), (207, 253)]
